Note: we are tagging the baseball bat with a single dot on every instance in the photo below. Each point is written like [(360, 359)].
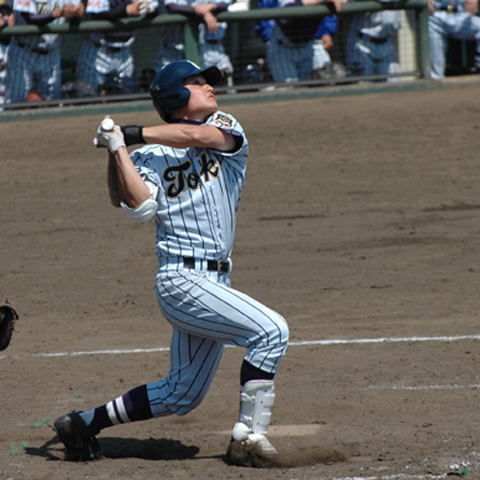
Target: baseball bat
[(112, 177)]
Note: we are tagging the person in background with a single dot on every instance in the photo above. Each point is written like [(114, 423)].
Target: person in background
[(106, 59), (211, 34), (456, 19), (35, 60), (372, 44), (290, 42), (7, 19)]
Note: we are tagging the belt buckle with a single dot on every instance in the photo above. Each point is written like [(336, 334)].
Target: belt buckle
[(223, 266), (451, 9)]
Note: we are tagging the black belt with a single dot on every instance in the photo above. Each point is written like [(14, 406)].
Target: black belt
[(219, 266), (212, 42), (39, 51), (449, 9), (109, 49), (375, 40)]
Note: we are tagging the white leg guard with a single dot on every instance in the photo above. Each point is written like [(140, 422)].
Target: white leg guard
[(256, 401)]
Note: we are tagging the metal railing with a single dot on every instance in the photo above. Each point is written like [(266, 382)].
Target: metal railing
[(190, 24)]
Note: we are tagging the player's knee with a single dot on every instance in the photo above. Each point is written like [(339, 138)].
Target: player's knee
[(279, 333), (187, 405)]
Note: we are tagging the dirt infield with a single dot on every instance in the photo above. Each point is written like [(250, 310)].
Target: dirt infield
[(359, 223)]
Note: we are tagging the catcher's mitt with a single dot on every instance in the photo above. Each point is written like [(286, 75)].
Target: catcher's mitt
[(8, 317)]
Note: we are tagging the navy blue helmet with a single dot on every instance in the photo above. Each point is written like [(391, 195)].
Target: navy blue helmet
[(168, 93)]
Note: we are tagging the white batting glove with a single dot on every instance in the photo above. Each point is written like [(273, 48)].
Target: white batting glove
[(112, 138), (145, 8)]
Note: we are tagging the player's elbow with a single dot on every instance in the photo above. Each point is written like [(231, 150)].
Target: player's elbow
[(143, 212)]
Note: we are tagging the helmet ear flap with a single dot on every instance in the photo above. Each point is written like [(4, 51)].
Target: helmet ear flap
[(169, 101)]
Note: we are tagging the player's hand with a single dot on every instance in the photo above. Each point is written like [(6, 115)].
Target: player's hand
[(72, 11), (145, 8), (112, 139), (327, 41), (8, 20), (471, 6), (133, 9)]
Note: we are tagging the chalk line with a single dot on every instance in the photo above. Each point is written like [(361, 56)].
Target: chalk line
[(354, 341)]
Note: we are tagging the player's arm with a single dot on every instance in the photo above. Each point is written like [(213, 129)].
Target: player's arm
[(133, 190), (183, 135)]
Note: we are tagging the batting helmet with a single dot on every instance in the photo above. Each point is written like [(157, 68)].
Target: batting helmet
[(168, 93)]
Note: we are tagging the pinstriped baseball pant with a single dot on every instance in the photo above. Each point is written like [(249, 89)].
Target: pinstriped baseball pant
[(289, 64), (206, 314), (442, 25), (95, 63), (26, 67)]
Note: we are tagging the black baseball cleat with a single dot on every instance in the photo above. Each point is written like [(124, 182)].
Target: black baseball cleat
[(81, 445)]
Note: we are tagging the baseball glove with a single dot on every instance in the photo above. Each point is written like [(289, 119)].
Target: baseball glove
[(8, 317)]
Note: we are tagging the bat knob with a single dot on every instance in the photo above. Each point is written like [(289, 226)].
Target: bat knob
[(108, 124)]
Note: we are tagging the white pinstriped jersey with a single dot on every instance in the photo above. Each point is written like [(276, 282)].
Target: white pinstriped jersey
[(97, 6), (199, 191), (46, 41)]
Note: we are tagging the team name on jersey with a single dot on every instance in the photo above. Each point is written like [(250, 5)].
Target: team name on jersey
[(180, 177)]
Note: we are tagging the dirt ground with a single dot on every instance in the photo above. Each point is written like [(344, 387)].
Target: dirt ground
[(359, 223)]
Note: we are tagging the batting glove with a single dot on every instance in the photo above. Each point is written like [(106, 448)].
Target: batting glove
[(112, 139), (146, 8)]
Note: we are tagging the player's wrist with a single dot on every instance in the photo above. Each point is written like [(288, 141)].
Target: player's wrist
[(133, 134)]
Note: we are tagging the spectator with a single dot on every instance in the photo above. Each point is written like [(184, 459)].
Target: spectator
[(211, 35), (372, 43), (322, 43), (323, 67), (455, 19), (7, 18), (290, 42), (105, 59), (35, 59)]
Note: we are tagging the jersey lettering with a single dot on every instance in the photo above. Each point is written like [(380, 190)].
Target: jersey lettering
[(179, 177)]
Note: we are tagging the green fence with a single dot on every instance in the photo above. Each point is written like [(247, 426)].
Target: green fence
[(241, 43)]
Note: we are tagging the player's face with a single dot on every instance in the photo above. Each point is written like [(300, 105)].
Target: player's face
[(202, 102)]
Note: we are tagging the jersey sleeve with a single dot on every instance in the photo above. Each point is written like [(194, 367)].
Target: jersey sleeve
[(25, 6), (141, 159), (97, 6), (230, 125)]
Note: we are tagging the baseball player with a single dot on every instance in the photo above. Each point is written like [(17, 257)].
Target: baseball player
[(35, 60), (290, 49), (456, 19), (108, 55), (211, 33), (189, 178), (323, 38), (7, 18), (372, 44)]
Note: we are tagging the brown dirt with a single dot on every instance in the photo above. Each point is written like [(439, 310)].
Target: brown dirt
[(359, 221)]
